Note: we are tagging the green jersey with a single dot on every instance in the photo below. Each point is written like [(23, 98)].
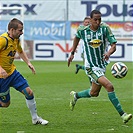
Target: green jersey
[(95, 44)]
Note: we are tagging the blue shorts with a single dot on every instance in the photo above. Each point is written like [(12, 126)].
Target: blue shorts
[(15, 80)]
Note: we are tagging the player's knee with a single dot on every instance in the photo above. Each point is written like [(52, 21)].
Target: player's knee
[(28, 93), (109, 87)]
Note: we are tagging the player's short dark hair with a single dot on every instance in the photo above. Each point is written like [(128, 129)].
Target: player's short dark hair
[(14, 23), (86, 18), (94, 12)]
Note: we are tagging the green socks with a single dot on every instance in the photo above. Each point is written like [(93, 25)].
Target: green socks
[(112, 97), (83, 94), (115, 102), (81, 67)]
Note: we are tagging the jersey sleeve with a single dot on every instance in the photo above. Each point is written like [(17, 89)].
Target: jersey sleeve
[(3, 43), (78, 34), (110, 35)]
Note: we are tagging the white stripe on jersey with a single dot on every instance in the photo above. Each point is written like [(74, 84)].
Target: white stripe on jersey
[(88, 50)]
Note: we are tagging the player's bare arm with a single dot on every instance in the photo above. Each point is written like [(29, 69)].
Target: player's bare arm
[(75, 44), (26, 60), (3, 73), (110, 52)]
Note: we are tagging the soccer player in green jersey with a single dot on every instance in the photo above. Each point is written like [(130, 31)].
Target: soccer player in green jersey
[(86, 22), (9, 76), (96, 58)]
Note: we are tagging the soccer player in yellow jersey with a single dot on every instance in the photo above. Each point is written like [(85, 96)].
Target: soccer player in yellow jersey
[(9, 76)]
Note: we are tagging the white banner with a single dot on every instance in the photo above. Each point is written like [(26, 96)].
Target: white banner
[(71, 10), (60, 50)]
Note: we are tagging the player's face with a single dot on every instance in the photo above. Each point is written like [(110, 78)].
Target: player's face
[(18, 32), (86, 22), (95, 21)]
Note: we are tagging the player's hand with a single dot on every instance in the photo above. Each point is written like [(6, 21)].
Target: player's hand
[(70, 59), (3, 73), (32, 68), (106, 56)]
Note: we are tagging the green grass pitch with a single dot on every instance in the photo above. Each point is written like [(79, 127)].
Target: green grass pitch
[(51, 85)]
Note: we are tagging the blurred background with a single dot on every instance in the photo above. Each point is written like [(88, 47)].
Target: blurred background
[(50, 25)]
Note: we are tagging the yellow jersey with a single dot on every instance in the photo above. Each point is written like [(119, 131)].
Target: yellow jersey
[(8, 49)]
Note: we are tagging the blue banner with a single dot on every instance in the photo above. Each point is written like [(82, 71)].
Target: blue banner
[(45, 30), (3, 26), (42, 30)]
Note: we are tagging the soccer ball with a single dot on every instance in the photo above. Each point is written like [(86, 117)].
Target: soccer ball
[(119, 70)]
